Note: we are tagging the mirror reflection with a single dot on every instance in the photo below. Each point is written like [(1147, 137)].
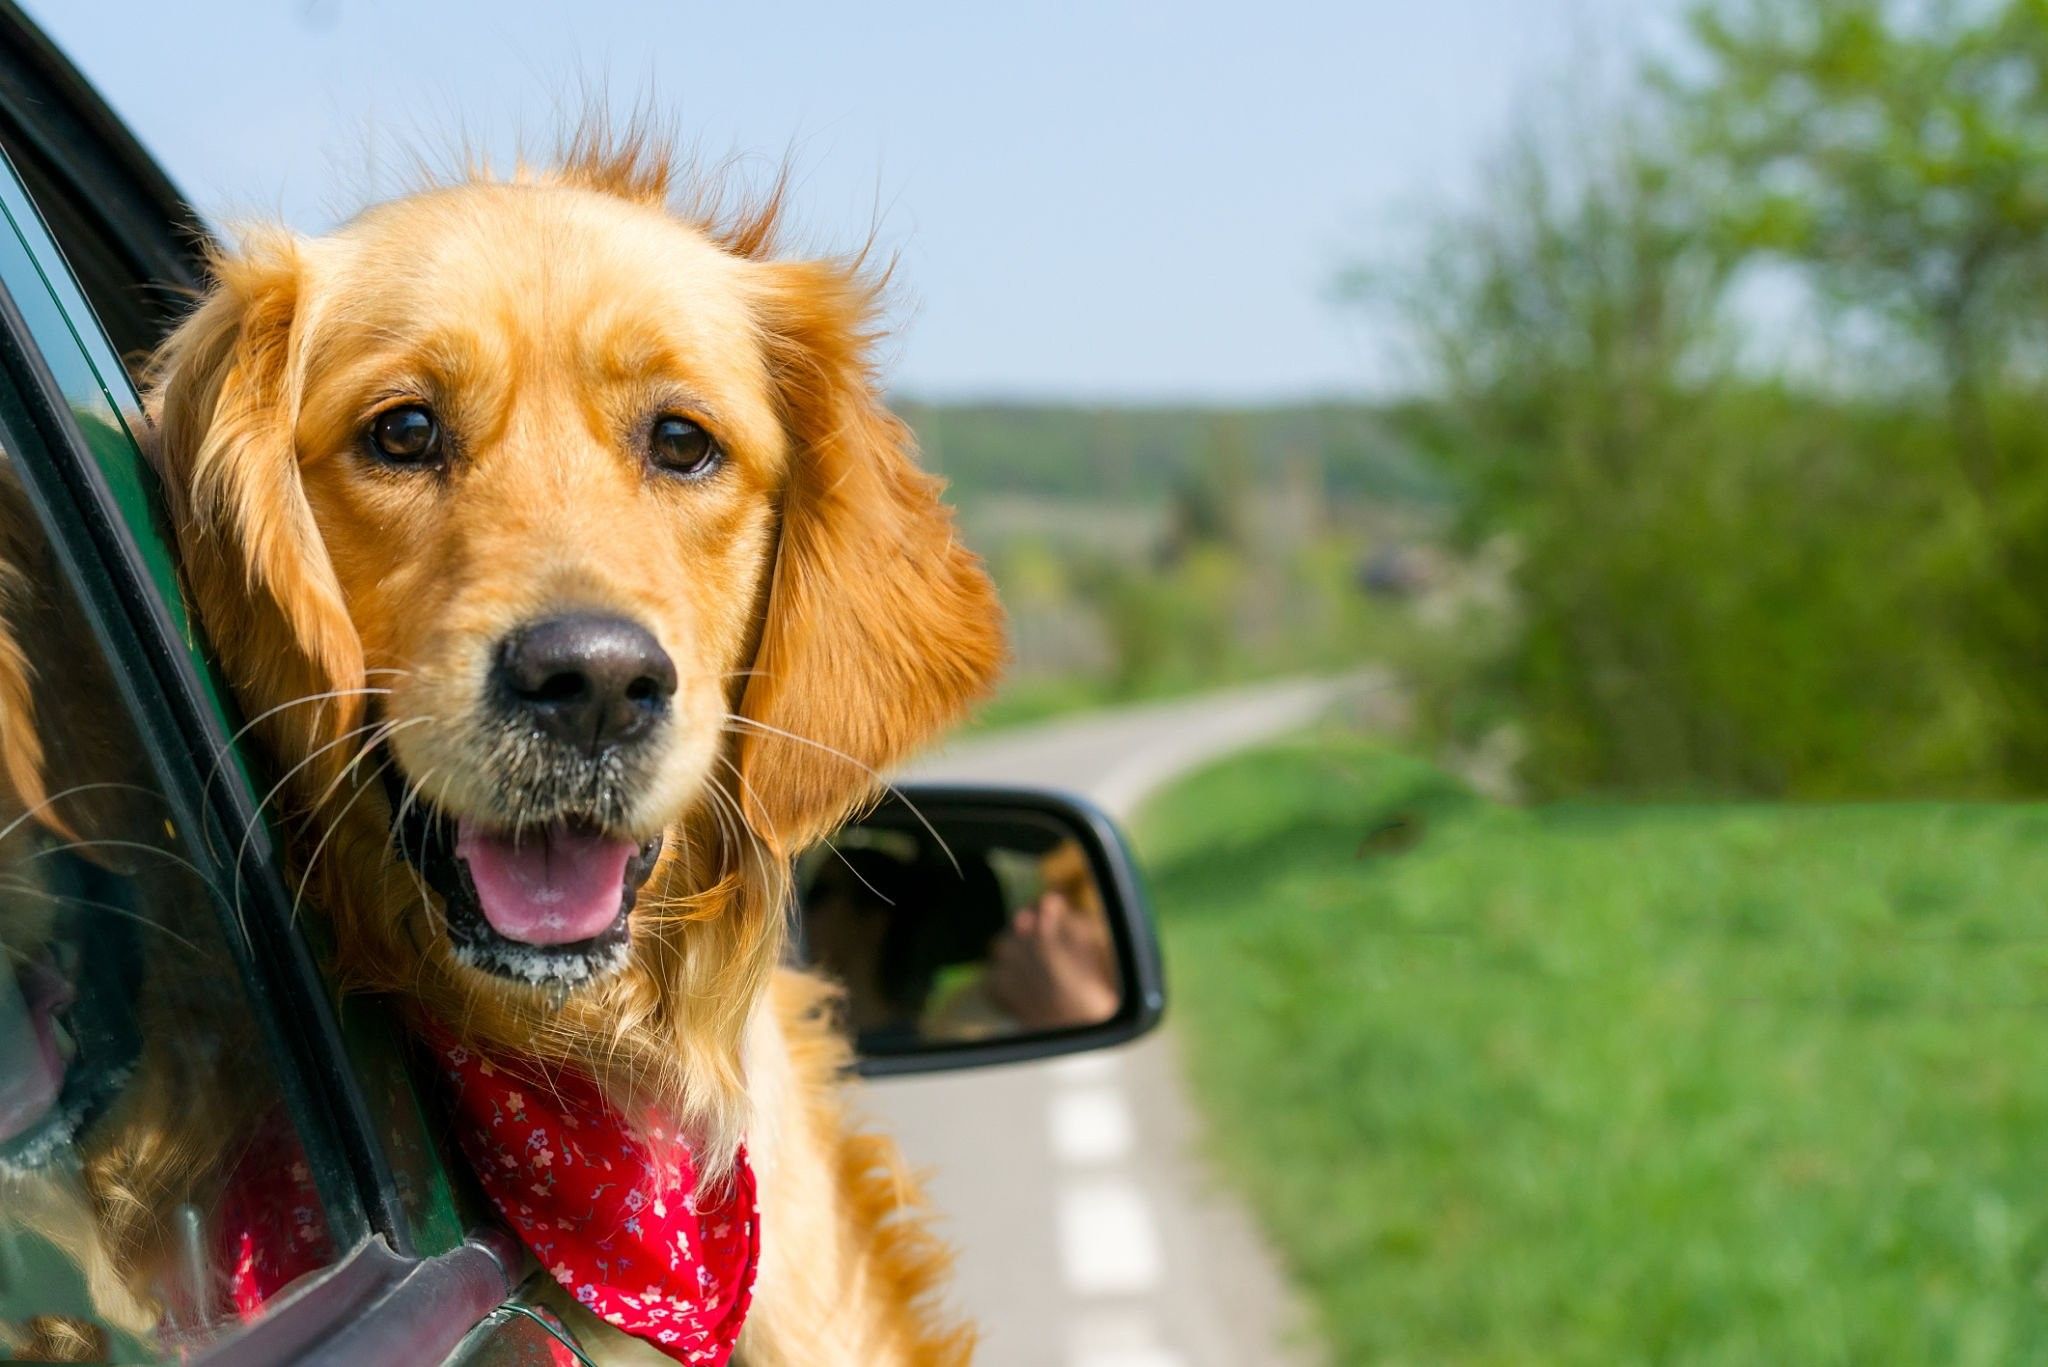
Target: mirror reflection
[(968, 926), (154, 1191)]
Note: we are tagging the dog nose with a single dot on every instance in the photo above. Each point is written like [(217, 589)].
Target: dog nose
[(589, 680)]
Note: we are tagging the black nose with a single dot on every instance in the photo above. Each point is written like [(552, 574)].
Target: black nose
[(588, 680)]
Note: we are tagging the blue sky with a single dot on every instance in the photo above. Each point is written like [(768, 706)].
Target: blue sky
[(1109, 201)]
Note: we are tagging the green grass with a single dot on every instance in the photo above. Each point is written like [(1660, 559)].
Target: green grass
[(1595, 1084)]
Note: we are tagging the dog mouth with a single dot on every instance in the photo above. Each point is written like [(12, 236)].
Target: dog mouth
[(68, 1039), (42, 1047), (547, 904)]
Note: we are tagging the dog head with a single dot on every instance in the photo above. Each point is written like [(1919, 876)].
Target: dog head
[(579, 519)]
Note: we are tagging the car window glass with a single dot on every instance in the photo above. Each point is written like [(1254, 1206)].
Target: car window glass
[(154, 1193)]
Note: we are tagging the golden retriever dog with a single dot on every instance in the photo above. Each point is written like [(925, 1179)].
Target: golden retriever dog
[(555, 537)]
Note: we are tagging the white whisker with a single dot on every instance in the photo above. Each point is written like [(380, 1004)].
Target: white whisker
[(391, 729), (65, 900), (227, 747), (256, 815), (869, 770), (74, 789), (157, 850)]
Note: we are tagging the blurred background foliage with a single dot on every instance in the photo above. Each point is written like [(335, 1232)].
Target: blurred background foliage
[(1725, 472), (1723, 482), (1144, 551), (1806, 565)]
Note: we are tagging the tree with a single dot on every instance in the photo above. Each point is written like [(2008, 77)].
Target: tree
[(1898, 154), (1727, 582)]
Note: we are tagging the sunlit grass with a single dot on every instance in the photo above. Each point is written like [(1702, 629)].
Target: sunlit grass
[(1729, 1084)]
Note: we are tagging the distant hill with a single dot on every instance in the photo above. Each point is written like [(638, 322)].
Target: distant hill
[(1140, 455)]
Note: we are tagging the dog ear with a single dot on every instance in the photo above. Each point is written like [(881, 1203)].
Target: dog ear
[(225, 396), (880, 626)]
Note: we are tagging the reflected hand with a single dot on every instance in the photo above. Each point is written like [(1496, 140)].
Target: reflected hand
[(1053, 968)]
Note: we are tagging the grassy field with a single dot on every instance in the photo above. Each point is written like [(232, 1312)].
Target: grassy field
[(1599, 1084)]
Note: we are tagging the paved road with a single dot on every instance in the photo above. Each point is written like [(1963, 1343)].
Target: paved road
[(1091, 1234)]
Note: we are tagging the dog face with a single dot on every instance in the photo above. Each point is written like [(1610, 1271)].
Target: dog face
[(540, 445), (578, 520)]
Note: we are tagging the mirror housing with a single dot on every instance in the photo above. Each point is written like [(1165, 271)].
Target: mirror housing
[(936, 905)]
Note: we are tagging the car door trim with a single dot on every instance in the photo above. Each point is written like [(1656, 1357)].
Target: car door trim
[(376, 1306)]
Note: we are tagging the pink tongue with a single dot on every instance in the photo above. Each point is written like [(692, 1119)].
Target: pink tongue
[(31, 1070), (546, 887)]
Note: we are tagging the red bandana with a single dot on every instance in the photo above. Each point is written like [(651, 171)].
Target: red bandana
[(615, 1216), (272, 1229)]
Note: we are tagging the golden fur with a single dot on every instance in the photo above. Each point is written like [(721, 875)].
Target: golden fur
[(821, 612)]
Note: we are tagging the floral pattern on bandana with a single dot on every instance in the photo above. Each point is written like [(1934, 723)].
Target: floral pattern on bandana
[(272, 1228), (615, 1215)]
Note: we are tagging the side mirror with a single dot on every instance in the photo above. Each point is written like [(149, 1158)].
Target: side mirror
[(976, 925)]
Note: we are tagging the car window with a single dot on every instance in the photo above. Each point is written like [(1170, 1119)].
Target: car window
[(154, 1192)]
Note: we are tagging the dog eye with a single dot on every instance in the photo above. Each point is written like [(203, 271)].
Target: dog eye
[(406, 436), (683, 447)]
